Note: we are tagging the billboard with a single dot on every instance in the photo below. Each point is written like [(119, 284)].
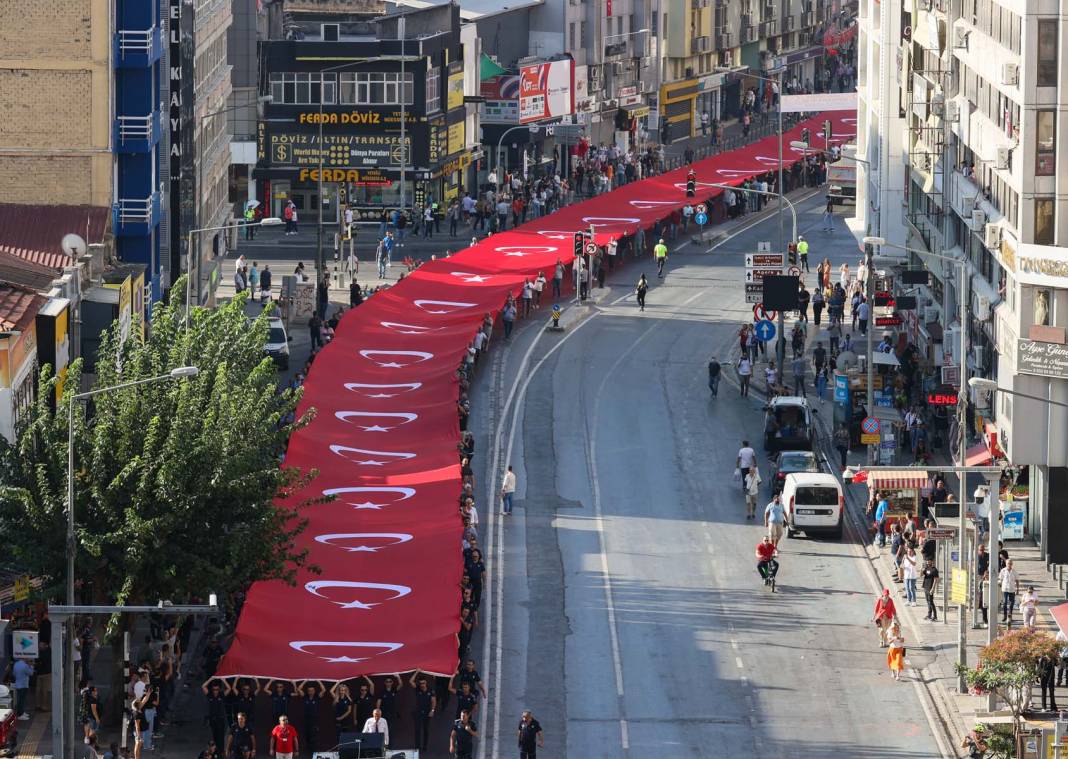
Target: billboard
[(546, 90)]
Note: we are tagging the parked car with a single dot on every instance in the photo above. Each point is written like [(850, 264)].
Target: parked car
[(788, 462), (814, 504), (788, 424), (277, 346)]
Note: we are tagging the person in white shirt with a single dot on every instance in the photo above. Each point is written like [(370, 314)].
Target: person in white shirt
[(376, 724), (745, 372), (507, 491), (1010, 584), (752, 490), (745, 462)]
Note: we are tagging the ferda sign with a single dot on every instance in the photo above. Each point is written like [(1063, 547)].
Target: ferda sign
[(358, 118)]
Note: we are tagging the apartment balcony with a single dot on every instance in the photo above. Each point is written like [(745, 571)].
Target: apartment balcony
[(700, 45), (135, 217), (138, 48), (138, 134)]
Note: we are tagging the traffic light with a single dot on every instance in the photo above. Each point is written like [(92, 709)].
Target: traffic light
[(804, 135), (827, 130), (691, 187), (791, 251), (580, 241)]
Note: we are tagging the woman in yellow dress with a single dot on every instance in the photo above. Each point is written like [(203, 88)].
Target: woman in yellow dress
[(895, 656)]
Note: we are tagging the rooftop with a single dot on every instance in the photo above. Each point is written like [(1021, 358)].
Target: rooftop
[(35, 233), (18, 307)]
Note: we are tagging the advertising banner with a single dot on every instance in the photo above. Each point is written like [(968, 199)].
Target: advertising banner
[(1042, 359), (546, 90)]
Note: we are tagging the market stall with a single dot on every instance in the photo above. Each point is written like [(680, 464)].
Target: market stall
[(902, 488)]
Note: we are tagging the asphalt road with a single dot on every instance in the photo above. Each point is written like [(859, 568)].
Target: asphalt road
[(631, 619)]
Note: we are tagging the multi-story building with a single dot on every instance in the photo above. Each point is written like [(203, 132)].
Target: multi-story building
[(80, 90), (983, 89)]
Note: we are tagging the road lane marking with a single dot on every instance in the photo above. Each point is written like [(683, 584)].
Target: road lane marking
[(739, 662)]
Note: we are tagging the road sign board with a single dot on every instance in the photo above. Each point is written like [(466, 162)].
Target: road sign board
[(759, 313), (757, 275), (793, 271), (764, 260), (754, 292), (869, 439), (753, 297), (591, 248), (701, 208), (764, 247), (870, 425), (959, 588), (764, 330), (940, 533), (701, 218)]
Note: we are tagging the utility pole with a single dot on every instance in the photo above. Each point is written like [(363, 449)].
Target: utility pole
[(869, 295), (401, 26), (962, 410)]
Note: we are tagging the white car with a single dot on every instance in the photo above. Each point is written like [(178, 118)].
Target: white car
[(814, 504), (277, 346)]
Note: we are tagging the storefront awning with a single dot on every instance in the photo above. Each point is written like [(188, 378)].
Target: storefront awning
[(487, 68), (1060, 616), (978, 455), (898, 478)]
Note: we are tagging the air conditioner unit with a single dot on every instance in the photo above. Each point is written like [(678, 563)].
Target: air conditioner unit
[(930, 314), (982, 313), (1010, 74), (617, 69), (1001, 158), (791, 22), (749, 34), (724, 40), (809, 19), (979, 218), (960, 38), (952, 111), (992, 236), (979, 354)]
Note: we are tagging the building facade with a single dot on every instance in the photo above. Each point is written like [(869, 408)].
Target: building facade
[(348, 121)]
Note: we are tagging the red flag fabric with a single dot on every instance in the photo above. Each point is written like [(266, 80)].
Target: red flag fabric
[(384, 441)]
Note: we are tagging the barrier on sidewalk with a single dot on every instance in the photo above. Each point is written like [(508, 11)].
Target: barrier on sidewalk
[(385, 436)]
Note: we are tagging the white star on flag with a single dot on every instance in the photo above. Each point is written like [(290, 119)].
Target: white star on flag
[(375, 428)]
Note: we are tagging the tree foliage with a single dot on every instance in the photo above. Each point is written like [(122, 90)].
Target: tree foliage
[(179, 489)]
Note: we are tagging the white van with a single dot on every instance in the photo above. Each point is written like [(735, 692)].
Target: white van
[(814, 504)]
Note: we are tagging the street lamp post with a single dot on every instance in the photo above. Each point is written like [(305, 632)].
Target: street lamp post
[(67, 724), (962, 418)]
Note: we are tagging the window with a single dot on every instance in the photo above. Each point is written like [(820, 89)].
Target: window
[(571, 36), (582, 34), (433, 90), (373, 88), (1043, 221), (1041, 308), (619, 25), (1046, 142), (1047, 52)]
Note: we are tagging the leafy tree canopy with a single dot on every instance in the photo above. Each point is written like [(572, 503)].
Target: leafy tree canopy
[(175, 481)]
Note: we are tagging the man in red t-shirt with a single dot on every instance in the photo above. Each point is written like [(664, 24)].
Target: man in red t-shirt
[(766, 564), (284, 743)]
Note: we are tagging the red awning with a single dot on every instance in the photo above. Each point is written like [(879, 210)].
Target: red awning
[(1060, 616), (898, 478), (978, 455), (386, 598)]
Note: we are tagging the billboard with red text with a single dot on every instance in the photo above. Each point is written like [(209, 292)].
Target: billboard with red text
[(546, 90)]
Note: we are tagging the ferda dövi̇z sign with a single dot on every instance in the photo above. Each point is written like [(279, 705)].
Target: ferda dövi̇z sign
[(1041, 359)]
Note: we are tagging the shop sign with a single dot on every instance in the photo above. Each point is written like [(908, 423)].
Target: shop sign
[(439, 139), (350, 119), (363, 177), (456, 137), (338, 150), (1041, 359), (22, 587), (25, 644), (888, 321), (455, 92), (942, 399)]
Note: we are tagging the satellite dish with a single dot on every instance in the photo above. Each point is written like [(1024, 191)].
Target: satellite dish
[(847, 360), (74, 245)]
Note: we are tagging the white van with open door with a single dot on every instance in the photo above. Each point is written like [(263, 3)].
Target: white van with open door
[(814, 504)]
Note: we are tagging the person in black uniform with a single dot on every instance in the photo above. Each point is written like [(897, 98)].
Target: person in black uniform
[(468, 674), (279, 699), (462, 737), (365, 702), (466, 698), (640, 290), (426, 704), (530, 736), (387, 700), (310, 702), (216, 710), (342, 708), (714, 370), (242, 743), (246, 702)]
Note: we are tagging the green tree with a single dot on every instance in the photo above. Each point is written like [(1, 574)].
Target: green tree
[(178, 484)]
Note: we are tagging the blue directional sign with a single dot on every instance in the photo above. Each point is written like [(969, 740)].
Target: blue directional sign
[(701, 218), (765, 330)]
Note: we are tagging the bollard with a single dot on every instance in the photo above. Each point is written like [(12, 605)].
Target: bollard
[(555, 315)]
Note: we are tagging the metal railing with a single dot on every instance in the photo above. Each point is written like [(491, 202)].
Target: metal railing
[(136, 210), (135, 127), (136, 40)]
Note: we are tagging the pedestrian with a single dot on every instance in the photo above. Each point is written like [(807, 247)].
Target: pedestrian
[(1010, 585), (803, 298), (828, 216), (527, 297), (834, 336), (212, 689), (895, 656), (428, 221), (315, 325), (1047, 679), (1029, 606), (462, 737), (714, 371), (752, 491), (355, 294), (377, 725), (239, 281), (975, 742), (89, 711), (284, 743), (799, 376), (558, 277), (818, 303), (530, 736), (640, 291), (426, 704), (930, 585), (802, 252), (384, 254), (862, 316), (22, 671), (841, 442), (508, 314), (241, 744), (584, 281), (660, 252), (910, 572), (250, 223), (885, 614), (775, 519), (287, 214), (539, 286), (507, 491), (745, 373), (881, 507), (1062, 671), (821, 384), (454, 214)]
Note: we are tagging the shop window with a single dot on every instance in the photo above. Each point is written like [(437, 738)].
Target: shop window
[(1044, 221), (433, 90), (1046, 142), (1041, 308)]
